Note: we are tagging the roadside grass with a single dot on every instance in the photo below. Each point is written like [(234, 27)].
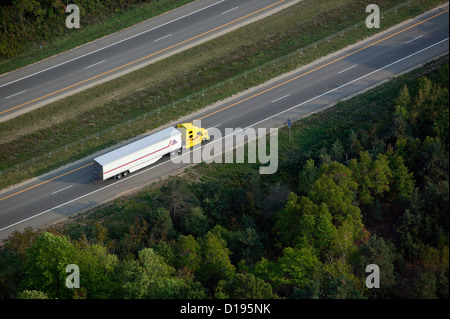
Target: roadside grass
[(76, 37), (99, 108)]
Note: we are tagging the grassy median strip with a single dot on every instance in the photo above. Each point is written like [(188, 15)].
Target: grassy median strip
[(111, 104)]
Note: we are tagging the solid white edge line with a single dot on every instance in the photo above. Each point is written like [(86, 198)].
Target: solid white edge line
[(272, 116), (112, 44)]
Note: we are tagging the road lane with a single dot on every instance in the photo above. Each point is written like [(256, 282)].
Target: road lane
[(306, 90)]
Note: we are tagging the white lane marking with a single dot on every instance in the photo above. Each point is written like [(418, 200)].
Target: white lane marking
[(94, 64), (414, 39), (354, 66), (280, 98), (62, 189), (268, 118), (166, 36), (112, 44), (229, 10), (15, 94)]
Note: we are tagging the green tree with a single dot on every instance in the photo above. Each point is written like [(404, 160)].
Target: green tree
[(100, 233), (426, 110), (215, 256), (324, 230), (336, 188), (294, 268), (442, 287), (250, 247), (195, 222), (136, 238), (409, 229), (336, 281), (31, 294), (302, 220), (425, 286), (307, 176), (18, 242), (97, 267), (133, 280), (290, 221), (361, 168), (372, 177), (160, 225), (434, 159), (440, 127), (188, 254), (297, 266), (150, 277), (381, 253), (354, 144), (380, 173), (403, 180), (45, 265), (402, 102), (244, 286), (337, 151), (343, 243)]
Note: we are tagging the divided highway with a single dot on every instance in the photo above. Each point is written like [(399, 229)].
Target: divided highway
[(125, 51), (73, 189)]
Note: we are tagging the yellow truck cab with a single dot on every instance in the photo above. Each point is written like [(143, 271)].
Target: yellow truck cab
[(193, 135)]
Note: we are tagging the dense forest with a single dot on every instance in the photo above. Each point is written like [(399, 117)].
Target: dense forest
[(371, 188), (36, 21)]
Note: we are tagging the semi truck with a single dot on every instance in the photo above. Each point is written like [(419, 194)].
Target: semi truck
[(148, 150)]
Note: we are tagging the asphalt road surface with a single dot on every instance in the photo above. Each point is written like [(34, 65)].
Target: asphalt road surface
[(125, 51), (309, 89)]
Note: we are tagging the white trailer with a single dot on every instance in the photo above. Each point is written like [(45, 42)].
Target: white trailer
[(138, 154)]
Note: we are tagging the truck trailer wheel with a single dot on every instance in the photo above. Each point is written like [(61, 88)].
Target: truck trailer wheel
[(126, 173)]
